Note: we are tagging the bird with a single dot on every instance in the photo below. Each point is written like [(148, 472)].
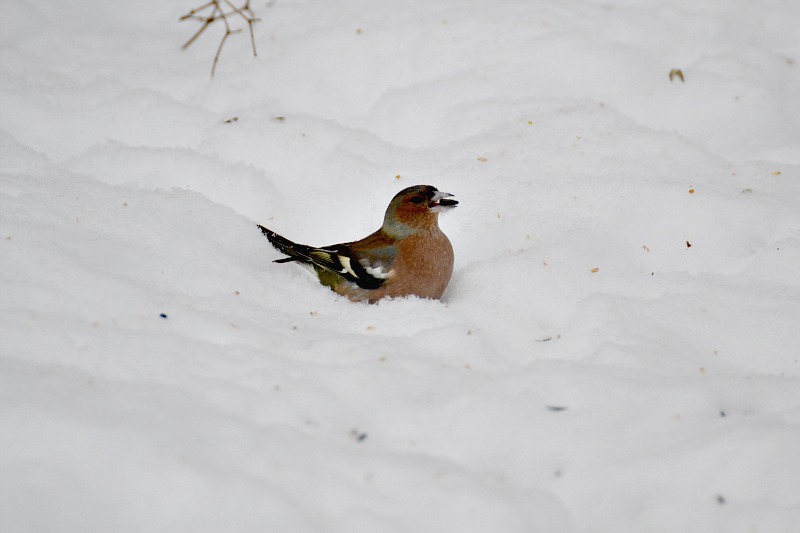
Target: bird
[(408, 255)]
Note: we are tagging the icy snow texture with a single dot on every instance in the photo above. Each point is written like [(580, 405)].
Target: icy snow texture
[(588, 369)]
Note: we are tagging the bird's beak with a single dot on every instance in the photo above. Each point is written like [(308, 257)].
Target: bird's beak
[(439, 202)]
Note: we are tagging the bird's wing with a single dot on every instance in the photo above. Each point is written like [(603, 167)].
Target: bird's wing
[(369, 269), (367, 263)]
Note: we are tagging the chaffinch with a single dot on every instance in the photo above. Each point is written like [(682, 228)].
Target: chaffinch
[(408, 255)]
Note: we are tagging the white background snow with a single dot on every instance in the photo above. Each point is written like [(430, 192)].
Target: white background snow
[(587, 369)]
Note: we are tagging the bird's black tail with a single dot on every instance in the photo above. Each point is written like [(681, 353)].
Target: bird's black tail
[(294, 251)]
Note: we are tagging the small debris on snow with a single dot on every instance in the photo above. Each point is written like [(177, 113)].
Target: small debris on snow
[(358, 435), (676, 73)]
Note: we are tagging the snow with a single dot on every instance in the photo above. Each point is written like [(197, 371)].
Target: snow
[(618, 347)]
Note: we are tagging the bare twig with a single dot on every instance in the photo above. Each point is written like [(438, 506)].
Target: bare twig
[(246, 13), (217, 12)]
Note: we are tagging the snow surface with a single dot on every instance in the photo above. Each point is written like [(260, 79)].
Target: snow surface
[(588, 370)]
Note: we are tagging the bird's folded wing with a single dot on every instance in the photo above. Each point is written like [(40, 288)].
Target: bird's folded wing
[(367, 270)]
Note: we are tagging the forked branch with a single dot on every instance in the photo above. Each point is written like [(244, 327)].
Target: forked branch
[(215, 10)]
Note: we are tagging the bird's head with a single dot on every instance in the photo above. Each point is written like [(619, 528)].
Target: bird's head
[(416, 208)]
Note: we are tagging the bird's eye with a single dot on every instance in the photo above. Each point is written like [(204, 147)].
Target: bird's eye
[(417, 199)]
